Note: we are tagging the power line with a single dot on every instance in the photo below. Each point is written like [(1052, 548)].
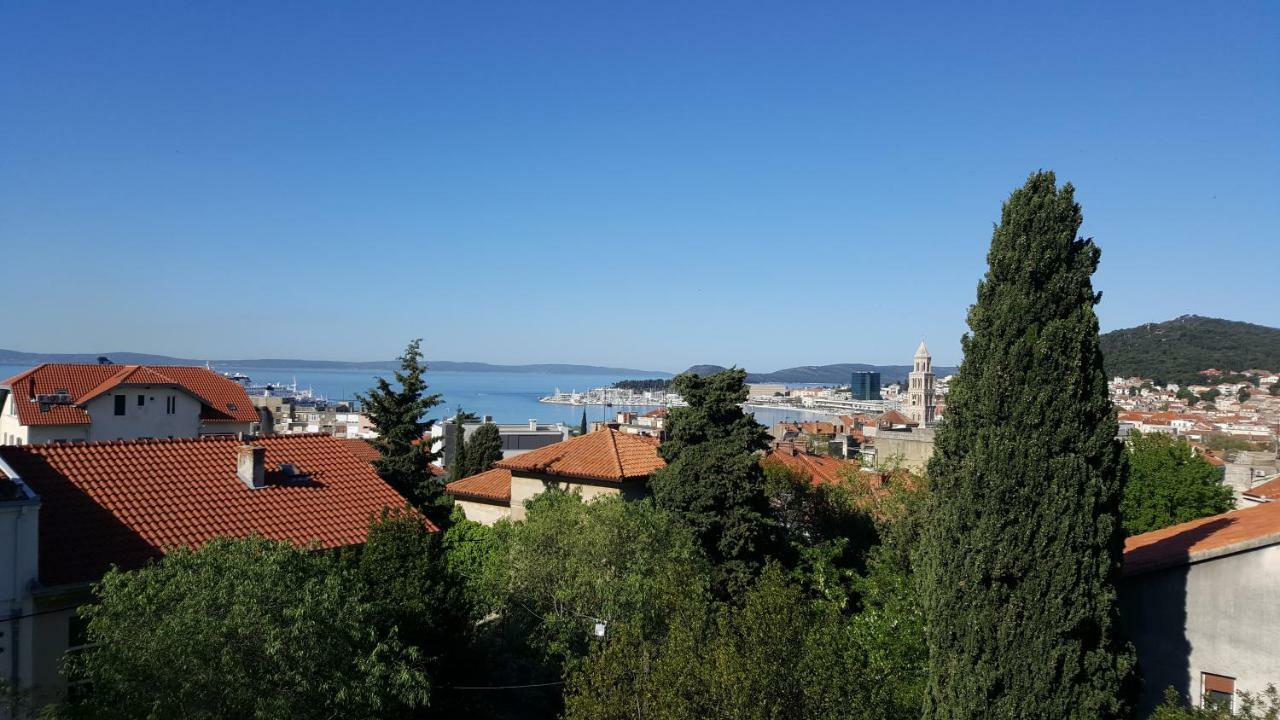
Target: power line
[(501, 687)]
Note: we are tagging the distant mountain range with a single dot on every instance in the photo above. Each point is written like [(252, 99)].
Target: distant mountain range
[(15, 357), (837, 374), (1174, 351), (1179, 349)]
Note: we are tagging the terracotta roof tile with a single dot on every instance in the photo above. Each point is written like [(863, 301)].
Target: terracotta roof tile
[(489, 485), (224, 400), (605, 454), (1202, 539), (120, 503), (822, 469), (1269, 490), (362, 449)]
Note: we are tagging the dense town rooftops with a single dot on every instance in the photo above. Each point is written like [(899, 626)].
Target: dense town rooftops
[(489, 486), (1203, 539), (124, 502), (222, 400), (606, 454)]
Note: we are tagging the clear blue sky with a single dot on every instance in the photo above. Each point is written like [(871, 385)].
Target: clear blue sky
[(644, 184)]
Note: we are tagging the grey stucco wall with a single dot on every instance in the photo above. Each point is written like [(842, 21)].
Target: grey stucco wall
[(1220, 616)]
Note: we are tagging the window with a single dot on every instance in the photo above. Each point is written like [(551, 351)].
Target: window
[(120, 401), (171, 405), (1218, 691), (142, 400)]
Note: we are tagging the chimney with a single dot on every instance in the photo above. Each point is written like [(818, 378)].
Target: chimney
[(533, 424), (251, 465)]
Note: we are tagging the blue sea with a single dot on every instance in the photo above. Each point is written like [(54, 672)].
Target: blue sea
[(509, 397)]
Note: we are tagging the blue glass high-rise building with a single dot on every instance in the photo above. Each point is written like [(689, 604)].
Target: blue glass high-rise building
[(865, 386)]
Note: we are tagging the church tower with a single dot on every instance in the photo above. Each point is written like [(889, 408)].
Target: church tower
[(920, 399)]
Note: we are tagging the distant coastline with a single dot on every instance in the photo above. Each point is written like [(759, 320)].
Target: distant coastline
[(16, 357)]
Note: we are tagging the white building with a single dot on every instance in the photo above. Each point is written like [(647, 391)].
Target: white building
[(68, 402)]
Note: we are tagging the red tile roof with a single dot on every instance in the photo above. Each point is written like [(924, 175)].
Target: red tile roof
[(224, 401), (120, 503), (893, 417), (1203, 539), (1269, 490), (490, 485), (362, 449), (821, 468), (605, 454)]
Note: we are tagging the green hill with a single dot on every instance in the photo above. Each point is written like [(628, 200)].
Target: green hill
[(1178, 350)]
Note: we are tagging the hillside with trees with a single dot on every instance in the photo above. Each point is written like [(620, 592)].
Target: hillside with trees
[(1180, 349)]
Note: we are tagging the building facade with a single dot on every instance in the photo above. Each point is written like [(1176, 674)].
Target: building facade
[(1199, 601), (865, 386)]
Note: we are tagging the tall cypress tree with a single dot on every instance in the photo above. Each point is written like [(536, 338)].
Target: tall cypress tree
[(582, 429), (399, 413), (458, 464), (713, 481), (1023, 541)]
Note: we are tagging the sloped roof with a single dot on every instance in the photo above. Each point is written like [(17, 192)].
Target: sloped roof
[(821, 468), (491, 486), (362, 449), (1269, 490), (1203, 539), (223, 400), (120, 503), (605, 454), (893, 417)]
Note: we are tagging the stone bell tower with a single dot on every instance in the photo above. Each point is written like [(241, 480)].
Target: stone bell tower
[(920, 398)]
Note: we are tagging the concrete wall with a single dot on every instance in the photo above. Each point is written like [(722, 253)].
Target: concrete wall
[(483, 513), (225, 429), (527, 486), (148, 420), (908, 450), (1219, 616)]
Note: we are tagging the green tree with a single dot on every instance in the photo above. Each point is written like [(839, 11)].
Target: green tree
[(484, 448), (1024, 538), (1210, 395), (1275, 388), (779, 653), (712, 480), (582, 427), (243, 628), (459, 464), (1169, 484), (571, 563), (1242, 395), (399, 414)]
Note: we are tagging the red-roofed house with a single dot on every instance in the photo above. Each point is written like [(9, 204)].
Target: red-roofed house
[(68, 402), (604, 462), (1200, 603), (76, 510)]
